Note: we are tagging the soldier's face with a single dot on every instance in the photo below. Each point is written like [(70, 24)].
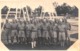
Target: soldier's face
[(6, 21)]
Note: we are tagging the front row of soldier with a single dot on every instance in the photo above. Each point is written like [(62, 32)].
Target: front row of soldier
[(37, 31)]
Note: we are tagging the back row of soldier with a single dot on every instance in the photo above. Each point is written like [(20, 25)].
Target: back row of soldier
[(37, 31)]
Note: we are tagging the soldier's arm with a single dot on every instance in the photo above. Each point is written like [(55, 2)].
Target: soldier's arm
[(4, 26), (69, 26), (11, 26), (25, 27), (17, 28)]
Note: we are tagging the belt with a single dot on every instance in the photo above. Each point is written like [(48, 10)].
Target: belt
[(34, 31), (7, 28), (28, 30), (21, 30), (45, 30), (14, 29), (39, 29)]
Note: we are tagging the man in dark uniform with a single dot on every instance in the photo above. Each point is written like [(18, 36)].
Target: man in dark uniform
[(33, 34), (14, 32), (50, 30), (62, 38), (7, 30), (68, 27), (28, 31), (21, 34), (39, 32), (45, 34), (56, 22)]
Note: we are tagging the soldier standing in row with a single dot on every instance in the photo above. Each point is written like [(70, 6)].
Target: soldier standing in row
[(21, 34), (33, 35), (39, 29), (7, 30), (48, 35), (43, 30), (50, 31), (55, 32), (68, 27), (62, 28), (45, 34), (14, 32), (27, 33), (55, 29)]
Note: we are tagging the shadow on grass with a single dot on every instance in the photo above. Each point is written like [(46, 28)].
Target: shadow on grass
[(39, 47), (75, 35)]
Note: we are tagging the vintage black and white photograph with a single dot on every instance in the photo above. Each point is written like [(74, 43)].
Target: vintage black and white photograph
[(46, 25)]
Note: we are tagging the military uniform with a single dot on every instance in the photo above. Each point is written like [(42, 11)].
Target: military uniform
[(14, 32), (55, 28), (39, 32), (54, 32), (50, 31), (34, 32), (7, 30), (45, 34), (33, 35), (21, 34), (68, 27), (62, 34), (67, 36), (28, 32)]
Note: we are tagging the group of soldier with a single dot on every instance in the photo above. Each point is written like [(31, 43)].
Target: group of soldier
[(37, 31)]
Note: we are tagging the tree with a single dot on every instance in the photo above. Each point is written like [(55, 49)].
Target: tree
[(38, 11), (29, 10), (4, 10)]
